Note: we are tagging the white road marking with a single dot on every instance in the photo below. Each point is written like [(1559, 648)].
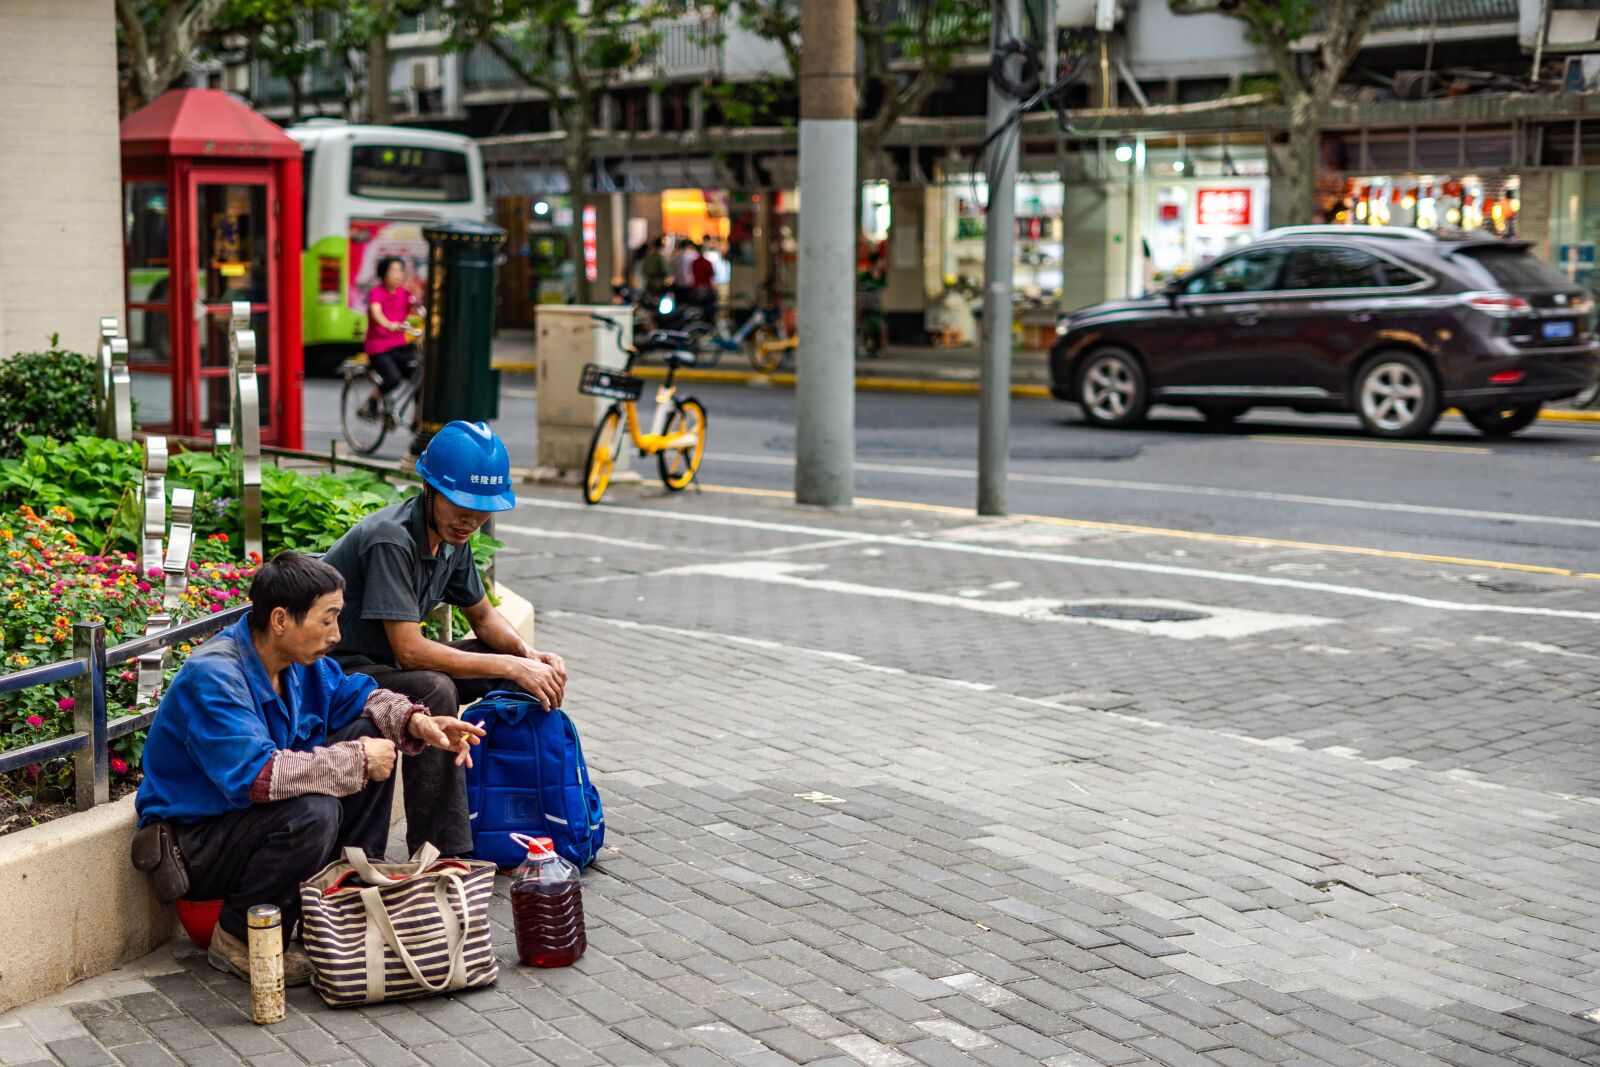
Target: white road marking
[(1225, 623), (1136, 566), (764, 645), (1199, 490), (1534, 646), (574, 535)]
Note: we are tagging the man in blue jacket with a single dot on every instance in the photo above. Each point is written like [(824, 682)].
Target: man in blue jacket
[(267, 760)]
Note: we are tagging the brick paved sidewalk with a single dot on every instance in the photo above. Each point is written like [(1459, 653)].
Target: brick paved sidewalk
[(823, 858)]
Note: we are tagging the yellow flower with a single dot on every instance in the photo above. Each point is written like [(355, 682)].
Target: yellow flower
[(20, 660), (186, 649), (5, 533)]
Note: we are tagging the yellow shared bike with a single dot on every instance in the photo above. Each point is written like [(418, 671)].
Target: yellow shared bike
[(677, 436)]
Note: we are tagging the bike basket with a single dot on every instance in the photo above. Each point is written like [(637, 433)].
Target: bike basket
[(611, 384)]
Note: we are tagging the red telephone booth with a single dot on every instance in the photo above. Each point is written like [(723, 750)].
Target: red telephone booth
[(211, 215)]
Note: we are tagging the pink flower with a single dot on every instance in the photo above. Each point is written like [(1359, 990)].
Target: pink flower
[(215, 608), (35, 721), (119, 765), (128, 676), (144, 587), (155, 572), (33, 770), (66, 704)]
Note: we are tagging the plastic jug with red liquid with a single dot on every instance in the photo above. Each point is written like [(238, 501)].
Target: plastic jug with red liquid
[(547, 906)]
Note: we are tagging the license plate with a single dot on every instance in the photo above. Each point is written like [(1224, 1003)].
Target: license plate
[(1559, 330)]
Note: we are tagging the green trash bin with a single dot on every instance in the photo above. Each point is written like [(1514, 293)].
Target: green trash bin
[(457, 380)]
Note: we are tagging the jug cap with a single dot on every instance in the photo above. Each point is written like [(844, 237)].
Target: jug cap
[(536, 846)]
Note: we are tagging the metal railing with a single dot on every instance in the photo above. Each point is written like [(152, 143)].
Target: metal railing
[(89, 744)]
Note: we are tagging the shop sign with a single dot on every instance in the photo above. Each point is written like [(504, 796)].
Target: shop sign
[(1222, 207), (591, 244)]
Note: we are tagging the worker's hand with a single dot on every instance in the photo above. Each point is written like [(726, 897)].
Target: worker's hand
[(551, 660), (538, 679), (448, 733), (380, 757)]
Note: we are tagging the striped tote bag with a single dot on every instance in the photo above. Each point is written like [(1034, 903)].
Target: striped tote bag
[(393, 931)]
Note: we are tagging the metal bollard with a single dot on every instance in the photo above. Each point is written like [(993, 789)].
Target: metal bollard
[(119, 416), (246, 422), (102, 378), (153, 514)]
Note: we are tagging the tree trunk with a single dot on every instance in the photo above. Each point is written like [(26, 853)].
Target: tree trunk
[(296, 101), (577, 173), (1304, 158), (378, 80)]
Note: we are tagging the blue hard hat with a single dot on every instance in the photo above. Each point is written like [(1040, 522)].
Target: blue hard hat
[(469, 466)]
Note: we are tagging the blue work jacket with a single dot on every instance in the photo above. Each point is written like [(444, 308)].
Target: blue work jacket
[(221, 721)]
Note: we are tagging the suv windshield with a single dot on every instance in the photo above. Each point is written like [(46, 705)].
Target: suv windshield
[(1512, 268)]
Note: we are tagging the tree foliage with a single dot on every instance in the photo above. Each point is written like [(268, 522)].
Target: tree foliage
[(570, 51), (904, 48), (157, 38), (1308, 86)]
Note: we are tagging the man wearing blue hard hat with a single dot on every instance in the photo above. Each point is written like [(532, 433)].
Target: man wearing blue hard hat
[(398, 565)]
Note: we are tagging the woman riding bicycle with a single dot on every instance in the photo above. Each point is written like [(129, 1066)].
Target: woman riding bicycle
[(389, 345)]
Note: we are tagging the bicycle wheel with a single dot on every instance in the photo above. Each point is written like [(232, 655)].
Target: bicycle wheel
[(707, 352), (763, 356), (678, 465), (364, 423), (602, 457)]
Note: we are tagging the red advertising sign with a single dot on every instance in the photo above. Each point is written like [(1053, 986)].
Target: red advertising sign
[(591, 244), (1222, 207)]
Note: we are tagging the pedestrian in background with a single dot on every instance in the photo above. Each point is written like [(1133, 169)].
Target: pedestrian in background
[(389, 345), (655, 271)]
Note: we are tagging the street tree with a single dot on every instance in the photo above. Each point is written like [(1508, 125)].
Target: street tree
[(904, 48), (157, 38), (1307, 83), (570, 51), (292, 37)]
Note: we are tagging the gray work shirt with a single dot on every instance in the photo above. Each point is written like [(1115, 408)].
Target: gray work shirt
[(390, 574)]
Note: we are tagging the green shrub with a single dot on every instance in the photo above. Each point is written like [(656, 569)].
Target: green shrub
[(50, 393)]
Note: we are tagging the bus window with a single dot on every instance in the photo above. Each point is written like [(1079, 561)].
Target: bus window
[(398, 172)]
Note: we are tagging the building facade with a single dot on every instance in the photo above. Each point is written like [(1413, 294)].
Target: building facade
[(60, 190), (1169, 150)]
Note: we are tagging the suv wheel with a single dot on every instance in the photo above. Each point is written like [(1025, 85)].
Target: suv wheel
[(1111, 389), (1397, 396), (1503, 421)]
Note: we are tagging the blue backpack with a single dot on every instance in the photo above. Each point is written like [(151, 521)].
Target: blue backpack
[(528, 777)]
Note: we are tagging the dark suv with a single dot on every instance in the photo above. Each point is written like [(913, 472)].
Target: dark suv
[(1394, 325)]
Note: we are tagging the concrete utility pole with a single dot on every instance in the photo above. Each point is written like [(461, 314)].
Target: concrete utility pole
[(825, 397), (994, 403)]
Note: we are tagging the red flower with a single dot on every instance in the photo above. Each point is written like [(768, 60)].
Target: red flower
[(35, 721), (119, 765), (66, 704), (218, 537)]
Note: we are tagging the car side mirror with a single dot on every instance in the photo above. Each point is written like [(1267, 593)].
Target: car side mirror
[(1172, 290)]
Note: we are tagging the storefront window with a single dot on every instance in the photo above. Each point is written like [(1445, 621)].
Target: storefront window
[(1431, 202)]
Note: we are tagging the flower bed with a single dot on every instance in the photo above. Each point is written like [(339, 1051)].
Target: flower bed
[(51, 582)]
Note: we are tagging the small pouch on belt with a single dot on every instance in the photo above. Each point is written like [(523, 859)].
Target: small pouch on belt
[(155, 851)]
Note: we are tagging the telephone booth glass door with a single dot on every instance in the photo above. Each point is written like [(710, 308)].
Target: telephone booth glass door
[(234, 237)]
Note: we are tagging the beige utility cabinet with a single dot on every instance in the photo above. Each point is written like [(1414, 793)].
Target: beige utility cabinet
[(568, 338)]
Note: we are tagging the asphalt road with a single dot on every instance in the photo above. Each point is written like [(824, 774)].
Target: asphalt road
[(1530, 500)]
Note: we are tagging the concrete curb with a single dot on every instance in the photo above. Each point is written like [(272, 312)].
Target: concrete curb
[(75, 906), (913, 385)]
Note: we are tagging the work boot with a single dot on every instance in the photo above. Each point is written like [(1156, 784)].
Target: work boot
[(228, 953)]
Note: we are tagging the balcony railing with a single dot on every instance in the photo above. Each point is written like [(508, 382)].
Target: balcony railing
[(687, 49)]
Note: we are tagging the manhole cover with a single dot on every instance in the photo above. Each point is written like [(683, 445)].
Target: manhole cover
[(1513, 586), (1130, 613)]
